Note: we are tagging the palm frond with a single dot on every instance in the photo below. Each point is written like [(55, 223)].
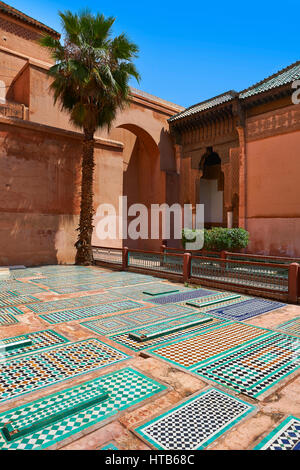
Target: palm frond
[(102, 29), (92, 71), (71, 26), (123, 48), (49, 41), (128, 69)]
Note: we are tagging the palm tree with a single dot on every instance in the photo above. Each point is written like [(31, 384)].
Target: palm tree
[(90, 81)]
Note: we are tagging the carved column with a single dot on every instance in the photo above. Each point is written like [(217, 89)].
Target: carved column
[(227, 189), (178, 157), (197, 186), (239, 115), (242, 178)]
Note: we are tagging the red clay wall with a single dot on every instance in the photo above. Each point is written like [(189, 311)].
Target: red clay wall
[(22, 38), (272, 192), (10, 66), (38, 196), (40, 165), (144, 183), (108, 186), (39, 193), (41, 107)]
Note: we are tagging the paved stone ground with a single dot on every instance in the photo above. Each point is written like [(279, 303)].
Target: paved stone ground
[(282, 402)]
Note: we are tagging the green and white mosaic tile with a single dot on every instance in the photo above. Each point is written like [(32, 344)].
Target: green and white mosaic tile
[(38, 339), (93, 286), (90, 277), (26, 288), (291, 327), (132, 320), (78, 288), (163, 288), (67, 280), (19, 288), (33, 371), (8, 298), (134, 345), (11, 311), (53, 411), (137, 292), (6, 319), (109, 446), (160, 329), (86, 312), (76, 302), (24, 273), (125, 389), (7, 284), (256, 368)]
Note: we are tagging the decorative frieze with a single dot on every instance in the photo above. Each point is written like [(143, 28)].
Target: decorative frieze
[(18, 30), (273, 123)]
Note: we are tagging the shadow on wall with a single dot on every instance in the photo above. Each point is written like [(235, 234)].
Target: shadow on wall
[(39, 197), (166, 150), (34, 239), (143, 180)]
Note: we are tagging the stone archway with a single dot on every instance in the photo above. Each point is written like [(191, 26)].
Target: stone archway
[(143, 180), (143, 168)]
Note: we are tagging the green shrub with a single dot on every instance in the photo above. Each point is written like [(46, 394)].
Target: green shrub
[(219, 238)]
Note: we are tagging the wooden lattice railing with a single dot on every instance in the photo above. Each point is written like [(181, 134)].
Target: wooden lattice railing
[(262, 277)]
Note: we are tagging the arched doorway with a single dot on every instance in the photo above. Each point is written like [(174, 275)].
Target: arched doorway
[(143, 180), (235, 210), (211, 189)]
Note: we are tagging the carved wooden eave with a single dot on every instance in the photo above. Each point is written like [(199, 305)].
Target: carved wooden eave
[(205, 117), (234, 108)]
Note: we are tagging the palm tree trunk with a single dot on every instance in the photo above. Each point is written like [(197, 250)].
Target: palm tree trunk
[(84, 255)]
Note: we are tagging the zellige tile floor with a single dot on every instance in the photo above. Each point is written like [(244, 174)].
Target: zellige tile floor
[(70, 370)]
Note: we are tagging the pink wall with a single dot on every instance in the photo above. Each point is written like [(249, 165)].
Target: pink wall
[(273, 195), (108, 186), (40, 158), (144, 183), (275, 236), (22, 38), (40, 171)]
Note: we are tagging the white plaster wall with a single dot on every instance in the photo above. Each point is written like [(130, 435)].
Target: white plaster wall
[(212, 200)]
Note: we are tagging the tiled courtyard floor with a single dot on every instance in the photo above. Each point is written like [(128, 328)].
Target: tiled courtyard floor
[(175, 367)]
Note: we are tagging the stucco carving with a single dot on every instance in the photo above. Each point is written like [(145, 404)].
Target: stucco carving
[(273, 123)]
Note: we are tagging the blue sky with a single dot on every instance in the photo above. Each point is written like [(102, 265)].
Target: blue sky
[(192, 51)]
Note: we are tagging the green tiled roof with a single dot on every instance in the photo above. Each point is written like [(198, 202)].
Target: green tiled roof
[(287, 75), (204, 105), (283, 77)]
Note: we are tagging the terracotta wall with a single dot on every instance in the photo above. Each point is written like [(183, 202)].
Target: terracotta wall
[(41, 106), (22, 38), (10, 66), (144, 183), (272, 182), (40, 158), (108, 186), (50, 220), (39, 192), (19, 89)]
